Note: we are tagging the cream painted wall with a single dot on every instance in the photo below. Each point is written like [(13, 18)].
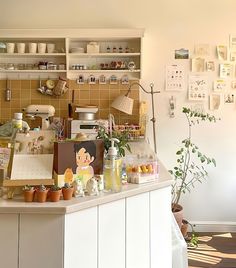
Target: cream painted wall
[(169, 24)]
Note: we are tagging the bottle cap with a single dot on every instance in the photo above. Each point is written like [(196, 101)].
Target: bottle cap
[(18, 116)]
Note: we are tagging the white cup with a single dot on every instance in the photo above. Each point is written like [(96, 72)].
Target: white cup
[(32, 47), (50, 48), (20, 47), (41, 48), (10, 47)]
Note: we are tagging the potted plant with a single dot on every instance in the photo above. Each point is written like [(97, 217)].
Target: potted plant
[(122, 136), (67, 191), (28, 193), (190, 163), (54, 193), (41, 193)]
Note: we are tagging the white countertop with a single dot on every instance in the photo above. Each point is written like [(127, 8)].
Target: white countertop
[(17, 205)]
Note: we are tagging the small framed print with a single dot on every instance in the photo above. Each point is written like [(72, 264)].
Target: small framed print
[(226, 70), (197, 88), (198, 65), (80, 80), (229, 98), (210, 66), (91, 80), (113, 80), (220, 85), (222, 52), (215, 101), (102, 79), (182, 54), (124, 80)]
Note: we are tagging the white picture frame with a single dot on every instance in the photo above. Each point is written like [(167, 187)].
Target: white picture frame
[(113, 80), (102, 79), (80, 80), (92, 80), (125, 80)]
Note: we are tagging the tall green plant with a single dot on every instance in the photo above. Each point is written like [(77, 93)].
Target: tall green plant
[(190, 162)]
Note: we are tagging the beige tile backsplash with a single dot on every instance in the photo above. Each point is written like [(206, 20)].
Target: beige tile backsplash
[(24, 92)]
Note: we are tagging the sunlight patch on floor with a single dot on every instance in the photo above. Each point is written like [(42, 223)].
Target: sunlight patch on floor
[(205, 238), (228, 235), (205, 247), (195, 256)]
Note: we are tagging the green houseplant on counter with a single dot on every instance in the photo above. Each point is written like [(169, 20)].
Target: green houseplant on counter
[(191, 163), (123, 138)]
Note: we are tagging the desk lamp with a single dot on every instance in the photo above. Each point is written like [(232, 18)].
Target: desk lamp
[(125, 104)]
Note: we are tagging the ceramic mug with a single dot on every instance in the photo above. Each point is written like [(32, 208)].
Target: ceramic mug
[(20, 47), (50, 48), (42, 47), (10, 47), (32, 47)]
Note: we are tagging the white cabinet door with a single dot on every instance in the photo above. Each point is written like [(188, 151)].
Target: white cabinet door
[(41, 241), (137, 231), (160, 226), (111, 235), (80, 246), (9, 240)]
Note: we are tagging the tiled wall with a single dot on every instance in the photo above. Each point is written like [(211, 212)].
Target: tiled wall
[(24, 92)]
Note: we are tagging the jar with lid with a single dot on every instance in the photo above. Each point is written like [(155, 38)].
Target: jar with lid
[(10, 66), (21, 66), (42, 65)]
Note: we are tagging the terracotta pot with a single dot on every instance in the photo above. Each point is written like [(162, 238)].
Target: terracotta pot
[(29, 195), (42, 196), (178, 214), (67, 193), (54, 196)]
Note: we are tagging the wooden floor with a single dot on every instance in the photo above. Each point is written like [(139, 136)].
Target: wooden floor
[(217, 250)]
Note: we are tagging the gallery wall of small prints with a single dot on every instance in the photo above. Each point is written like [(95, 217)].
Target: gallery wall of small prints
[(210, 77)]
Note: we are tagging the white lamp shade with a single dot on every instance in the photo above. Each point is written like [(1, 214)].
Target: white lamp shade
[(123, 104)]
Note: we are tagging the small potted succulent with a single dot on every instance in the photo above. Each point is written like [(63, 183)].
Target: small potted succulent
[(54, 193), (28, 193), (67, 191), (42, 192)]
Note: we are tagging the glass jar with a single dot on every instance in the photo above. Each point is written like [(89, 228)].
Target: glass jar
[(21, 66)]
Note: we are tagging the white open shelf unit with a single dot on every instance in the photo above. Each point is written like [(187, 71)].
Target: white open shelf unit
[(127, 42)]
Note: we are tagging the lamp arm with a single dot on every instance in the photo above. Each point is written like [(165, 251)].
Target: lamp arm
[(148, 92)]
